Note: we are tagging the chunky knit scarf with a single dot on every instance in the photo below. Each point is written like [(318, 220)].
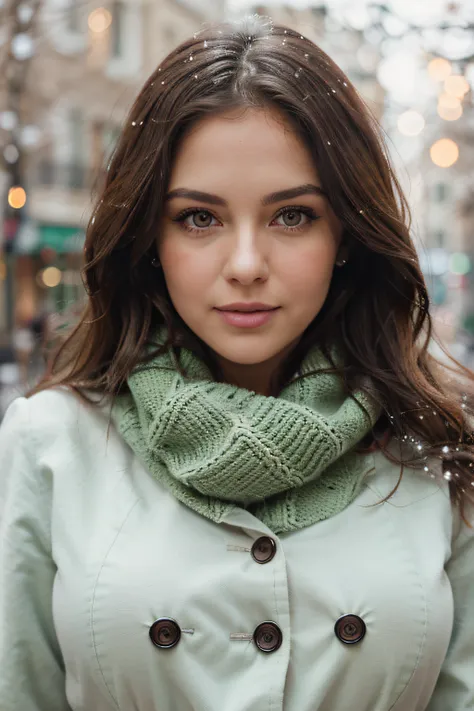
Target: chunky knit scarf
[(289, 460)]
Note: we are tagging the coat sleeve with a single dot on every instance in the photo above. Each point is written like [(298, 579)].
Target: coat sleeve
[(31, 670), (455, 687)]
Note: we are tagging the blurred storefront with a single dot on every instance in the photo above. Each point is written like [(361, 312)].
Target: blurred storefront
[(61, 111), (71, 73), (48, 268)]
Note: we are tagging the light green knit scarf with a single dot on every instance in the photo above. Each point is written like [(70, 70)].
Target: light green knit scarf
[(289, 460)]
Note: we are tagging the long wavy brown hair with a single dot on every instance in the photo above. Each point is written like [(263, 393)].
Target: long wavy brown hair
[(377, 309)]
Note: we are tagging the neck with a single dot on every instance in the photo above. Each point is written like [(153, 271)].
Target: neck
[(257, 377)]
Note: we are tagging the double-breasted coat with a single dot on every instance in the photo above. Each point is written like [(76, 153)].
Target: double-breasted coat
[(115, 596)]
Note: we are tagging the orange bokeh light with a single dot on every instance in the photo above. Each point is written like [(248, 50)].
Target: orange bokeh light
[(444, 152), (16, 197)]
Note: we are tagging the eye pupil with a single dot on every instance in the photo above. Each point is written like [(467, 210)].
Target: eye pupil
[(292, 215), (202, 216)]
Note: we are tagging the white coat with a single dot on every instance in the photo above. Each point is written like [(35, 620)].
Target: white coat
[(94, 551)]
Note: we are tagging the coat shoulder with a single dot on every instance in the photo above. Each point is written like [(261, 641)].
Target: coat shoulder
[(59, 416)]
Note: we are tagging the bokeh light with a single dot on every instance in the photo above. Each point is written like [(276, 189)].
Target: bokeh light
[(448, 102), (99, 20), (459, 263), (444, 153), (51, 276), (456, 85), (448, 114), (411, 123), (439, 69), (11, 153), (8, 120), (22, 46), (16, 197)]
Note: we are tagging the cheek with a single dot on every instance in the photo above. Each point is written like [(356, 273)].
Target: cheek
[(186, 270), (308, 274)]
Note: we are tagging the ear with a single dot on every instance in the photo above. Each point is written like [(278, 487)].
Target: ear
[(343, 254), (345, 247)]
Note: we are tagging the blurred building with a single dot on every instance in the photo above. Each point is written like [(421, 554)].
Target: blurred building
[(431, 133), (85, 65)]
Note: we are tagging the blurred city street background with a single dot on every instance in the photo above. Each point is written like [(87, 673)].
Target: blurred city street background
[(70, 69)]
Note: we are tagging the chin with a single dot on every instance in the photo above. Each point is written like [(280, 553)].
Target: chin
[(250, 354)]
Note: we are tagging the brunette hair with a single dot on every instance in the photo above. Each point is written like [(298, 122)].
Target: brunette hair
[(377, 309)]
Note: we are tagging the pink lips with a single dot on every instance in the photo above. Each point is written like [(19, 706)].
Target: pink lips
[(247, 315)]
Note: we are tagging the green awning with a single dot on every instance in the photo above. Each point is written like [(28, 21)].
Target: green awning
[(31, 238), (63, 240)]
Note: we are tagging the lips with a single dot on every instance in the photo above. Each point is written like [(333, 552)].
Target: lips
[(249, 307), (250, 315)]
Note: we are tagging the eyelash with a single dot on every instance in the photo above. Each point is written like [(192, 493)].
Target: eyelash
[(308, 211)]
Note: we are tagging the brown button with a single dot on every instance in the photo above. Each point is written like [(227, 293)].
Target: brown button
[(350, 629), (165, 633), (268, 637), (264, 549)]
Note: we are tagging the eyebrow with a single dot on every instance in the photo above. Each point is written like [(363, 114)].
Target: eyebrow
[(289, 194)]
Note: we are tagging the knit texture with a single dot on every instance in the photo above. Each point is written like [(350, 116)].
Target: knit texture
[(289, 460)]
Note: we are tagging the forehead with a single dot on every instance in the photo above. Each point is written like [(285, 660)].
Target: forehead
[(243, 143)]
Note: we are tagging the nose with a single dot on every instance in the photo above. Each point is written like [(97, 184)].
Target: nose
[(247, 261)]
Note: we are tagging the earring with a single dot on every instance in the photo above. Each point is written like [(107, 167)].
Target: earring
[(155, 262), (341, 262)]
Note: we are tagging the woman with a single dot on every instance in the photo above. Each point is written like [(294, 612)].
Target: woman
[(244, 483)]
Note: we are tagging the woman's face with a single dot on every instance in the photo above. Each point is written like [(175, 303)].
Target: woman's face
[(247, 268)]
